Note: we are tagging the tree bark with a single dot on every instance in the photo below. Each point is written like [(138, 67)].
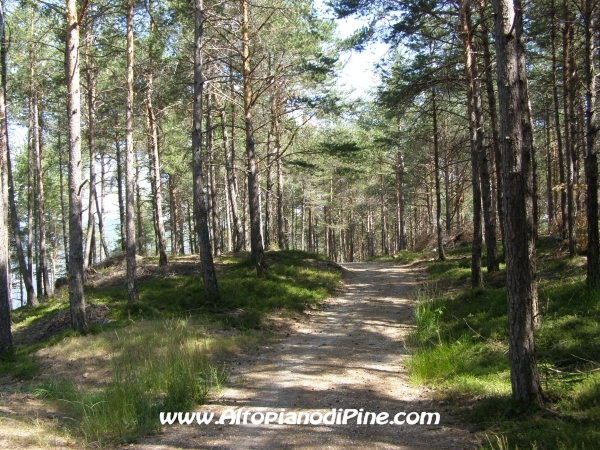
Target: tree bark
[(256, 240), (132, 290), (76, 298), (516, 162), (207, 268)]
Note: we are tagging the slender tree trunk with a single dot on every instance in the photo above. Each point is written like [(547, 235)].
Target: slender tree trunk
[(76, 299), (491, 97), (153, 154), (39, 169), (100, 207), (6, 343), (5, 149), (559, 141), (238, 231), (516, 160), (549, 184), (481, 177), (256, 241), (132, 290), (281, 228), (438, 196), (212, 183), (173, 215), (120, 184), (207, 268), (591, 156), (91, 104), (568, 116)]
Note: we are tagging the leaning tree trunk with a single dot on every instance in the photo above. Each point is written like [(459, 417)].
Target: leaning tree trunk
[(516, 165), (132, 290), (76, 299), (256, 240), (591, 157), (207, 267)]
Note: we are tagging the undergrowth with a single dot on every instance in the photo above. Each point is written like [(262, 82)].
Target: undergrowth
[(164, 350), (460, 346)]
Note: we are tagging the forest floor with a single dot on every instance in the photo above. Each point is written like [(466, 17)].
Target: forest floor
[(350, 354)]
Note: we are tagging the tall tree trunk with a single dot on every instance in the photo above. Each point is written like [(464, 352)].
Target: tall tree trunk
[(153, 154), (438, 195), (385, 244), (76, 298), (212, 182), (5, 148), (132, 290), (491, 97), (591, 156), (481, 176), (269, 191), (91, 104), (6, 342), (238, 231), (516, 161), (400, 207), (549, 184), (559, 141), (41, 221), (100, 207), (256, 241), (568, 79), (174, 215), (119, 157), (207, 268), (282, 239)]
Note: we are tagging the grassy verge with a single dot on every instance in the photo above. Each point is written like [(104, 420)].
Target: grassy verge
[(163, 353), (461, 344)]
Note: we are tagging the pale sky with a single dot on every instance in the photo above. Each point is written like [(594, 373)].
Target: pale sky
[(358, 74)]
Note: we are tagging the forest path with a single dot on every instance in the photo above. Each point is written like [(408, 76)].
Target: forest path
[(350, 354)]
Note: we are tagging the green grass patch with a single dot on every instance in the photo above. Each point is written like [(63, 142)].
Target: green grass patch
[(164, 350), (460, 346)]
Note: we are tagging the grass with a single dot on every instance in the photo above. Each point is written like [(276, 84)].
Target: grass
[(460, 346), (163, 351)]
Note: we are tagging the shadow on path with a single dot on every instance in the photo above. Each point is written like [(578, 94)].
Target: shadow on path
[(349, 355)]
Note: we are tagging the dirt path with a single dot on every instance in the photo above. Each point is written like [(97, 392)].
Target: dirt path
[(350, 355)]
